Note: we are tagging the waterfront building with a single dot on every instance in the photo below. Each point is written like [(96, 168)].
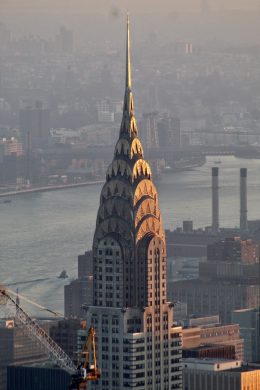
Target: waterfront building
[(34, 124), (80, 291), (10, 147), (137, 344)]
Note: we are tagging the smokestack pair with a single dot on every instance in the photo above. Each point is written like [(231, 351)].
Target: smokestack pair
[(215, 200)]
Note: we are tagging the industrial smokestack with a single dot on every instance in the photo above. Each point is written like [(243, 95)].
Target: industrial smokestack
[(215, 200), (243, 199)]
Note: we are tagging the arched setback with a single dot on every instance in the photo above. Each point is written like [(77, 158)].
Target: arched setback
[(136, 148), (129, 147), (122, 147), (147, 207), (145, 187), (108, 273), (149, 224), (128, 124), (151, 272), (117, 226), (141, 168), (115, 208), (117, 168), (116, 187)]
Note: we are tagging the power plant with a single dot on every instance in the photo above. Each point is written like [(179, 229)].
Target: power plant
[(215, 200)]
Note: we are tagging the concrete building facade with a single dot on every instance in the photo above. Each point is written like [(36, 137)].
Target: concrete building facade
[(213, 297), (228, 281), (80, 291), (248, 320)]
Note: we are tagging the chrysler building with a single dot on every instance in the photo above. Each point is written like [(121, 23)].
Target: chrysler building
[(138, 345)]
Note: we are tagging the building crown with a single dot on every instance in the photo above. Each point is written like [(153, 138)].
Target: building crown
[(129, 200)]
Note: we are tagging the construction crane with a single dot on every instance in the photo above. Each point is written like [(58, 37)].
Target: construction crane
[(81, 374), (88, 372)]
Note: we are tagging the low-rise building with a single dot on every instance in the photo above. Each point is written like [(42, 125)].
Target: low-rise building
[(44, 376), (217, 374), (214, 335), (16, 347)]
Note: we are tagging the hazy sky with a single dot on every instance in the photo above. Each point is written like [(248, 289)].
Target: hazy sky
[(164, 17), (131, 4)]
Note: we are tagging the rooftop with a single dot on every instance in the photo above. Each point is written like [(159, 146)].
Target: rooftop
[(211, 364)]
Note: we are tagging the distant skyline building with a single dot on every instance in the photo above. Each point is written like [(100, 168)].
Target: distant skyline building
[(169, 132), (34, 124), (137, 344), (65, 40), (183, 48), (234, 250), (149, 130)]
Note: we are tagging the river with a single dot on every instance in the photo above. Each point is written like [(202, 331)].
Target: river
[(43, 233)]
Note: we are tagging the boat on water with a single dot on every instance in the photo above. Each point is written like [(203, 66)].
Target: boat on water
[(6, 201), (63, 275)]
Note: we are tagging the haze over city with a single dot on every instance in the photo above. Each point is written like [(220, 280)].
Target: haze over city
[(129, 195)]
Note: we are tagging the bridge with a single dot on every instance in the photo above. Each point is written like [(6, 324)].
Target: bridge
[(168, 153)]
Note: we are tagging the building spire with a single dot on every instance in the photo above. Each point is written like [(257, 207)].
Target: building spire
[(128, 121), (128, 57)]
